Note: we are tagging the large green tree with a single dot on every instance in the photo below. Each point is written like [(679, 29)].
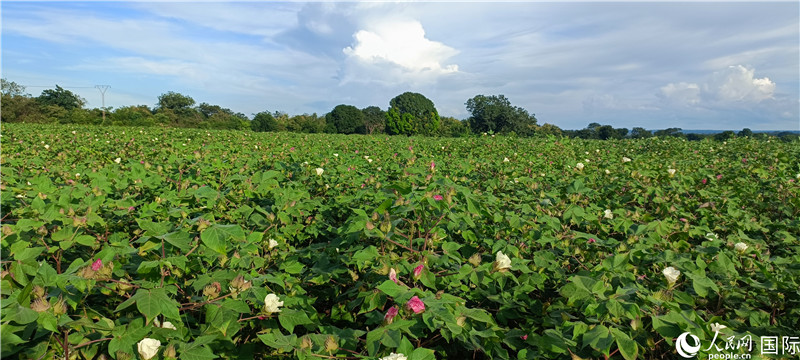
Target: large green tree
[(412, 113), (264, 121), (496, 114), (61, 97), (18, 105), (374, 120), (347, 119), (178, 108)]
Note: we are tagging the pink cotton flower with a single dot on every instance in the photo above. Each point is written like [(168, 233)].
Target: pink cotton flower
[(97, 265), (683, 219), (704, 181), (433, 165), (591, 240), (418, 270), (392, 312), (393, 275), (524, 337), (744, 160), (416, 305), (437, 197), (719, 176)]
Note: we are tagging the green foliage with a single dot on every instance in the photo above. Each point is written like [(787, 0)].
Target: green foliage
[(374, 120), (132, 116), (452, 127), (413, 114), (496, 114), (399, 124), (62, 98), (263, 122), (347, 119)]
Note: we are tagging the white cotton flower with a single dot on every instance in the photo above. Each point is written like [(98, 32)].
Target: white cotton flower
[(608, 172), (506, 160), (716, 327), (740, 247), (77, 175), (336, 155), (502, 261), (272, 243), (74, 132), (607, 214), (118, 160), (394, 356), (148, 348), (625, 159), (370, 160), (168, 325), (671, 172), (320, 171), (579, 166), (797, 176), (366, 157), (47, 146), (272, 304), (671, 274), (712, 236)]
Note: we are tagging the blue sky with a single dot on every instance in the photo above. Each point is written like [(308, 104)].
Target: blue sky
[(717, 65)]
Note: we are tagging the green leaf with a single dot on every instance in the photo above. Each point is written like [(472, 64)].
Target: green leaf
[(701, 285), (599, 339), (217, 236), (422, 354), (198, 350), (290, 318), (390, 288), (282, 343), (21, 315), (627, 347)]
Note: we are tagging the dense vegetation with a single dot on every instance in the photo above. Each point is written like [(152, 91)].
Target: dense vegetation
[(408, 114), (198, 244)]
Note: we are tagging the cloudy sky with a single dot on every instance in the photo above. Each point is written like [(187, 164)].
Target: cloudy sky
[(718, 65)]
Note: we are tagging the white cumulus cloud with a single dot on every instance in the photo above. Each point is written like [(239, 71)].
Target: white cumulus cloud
[(402, 44), (738, 83), (735, 84), (684, 93)]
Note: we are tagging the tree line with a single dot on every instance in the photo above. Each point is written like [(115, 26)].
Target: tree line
[(408, 114)]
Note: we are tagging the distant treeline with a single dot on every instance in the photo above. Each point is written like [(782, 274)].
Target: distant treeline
[(408, 114)]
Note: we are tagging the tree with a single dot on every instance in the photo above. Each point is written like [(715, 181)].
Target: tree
[(496, 114), (640, 133), (452, 127), (745, 132), (347, 119), (605, 132), (178, 109), (264, 121), (725, 135), (676, 132), (374, 120), (175, 101), (17, 105), (412, 113), (549, 129), (12, 89), (132, 116), (60, 97)]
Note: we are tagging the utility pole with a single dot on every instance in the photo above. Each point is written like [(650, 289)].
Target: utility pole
[(103, 89)]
